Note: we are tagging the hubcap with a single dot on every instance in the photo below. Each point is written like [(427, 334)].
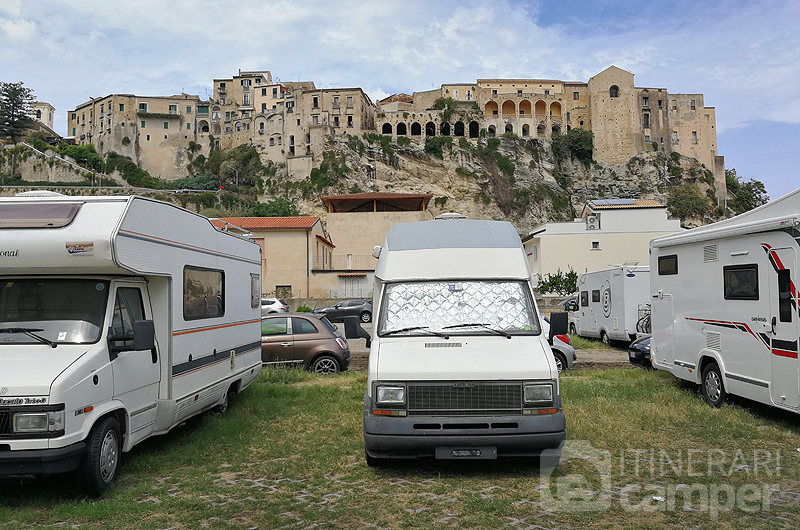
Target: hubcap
[(326, 366), (108, 456), (365, 318), (559, 365), (713, 386)]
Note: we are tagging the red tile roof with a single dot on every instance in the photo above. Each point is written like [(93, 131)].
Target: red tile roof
[(271, 223), (628, 203)]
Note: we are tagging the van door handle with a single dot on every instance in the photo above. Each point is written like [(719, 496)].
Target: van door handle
[(774, 321)]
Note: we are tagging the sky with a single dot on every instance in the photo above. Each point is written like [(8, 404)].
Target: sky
[(743, 56)]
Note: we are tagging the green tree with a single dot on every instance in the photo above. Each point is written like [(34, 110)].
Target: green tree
[(560, 283), (279, 207), (687, 201), (15, 108), (747, 194)]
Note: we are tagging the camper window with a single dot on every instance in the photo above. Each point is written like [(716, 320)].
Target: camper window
[(128, 308), (203, 293), (785, 297), (38, 215), (668, 265), (741, 282), (584, 298), (596, 295)]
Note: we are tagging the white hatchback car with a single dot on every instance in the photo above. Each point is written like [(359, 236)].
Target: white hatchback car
[(273, 305)]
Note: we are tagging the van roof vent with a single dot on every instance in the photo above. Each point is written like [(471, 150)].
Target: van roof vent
[(442, 344), (710, 253), (450, 215)]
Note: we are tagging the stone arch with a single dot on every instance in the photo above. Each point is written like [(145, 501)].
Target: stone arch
[(474, 129), (556, 128), (541, 108), (613, 91), (555, 109), (459, 128), (526, 130), (416, 129), (490, 132), (490, 109), (216, 129), (509, 128), (524, 108), (509, 109), (541, 130), (444, 128), (202, 126), (386, 129), (430, 129), (401, 129)]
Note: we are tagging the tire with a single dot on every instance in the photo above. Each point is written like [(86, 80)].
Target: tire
[(100, 465), (366, 316), (712, 387), (223, 407), (561, 361), (325, 364), (572, 329), (605, 339)]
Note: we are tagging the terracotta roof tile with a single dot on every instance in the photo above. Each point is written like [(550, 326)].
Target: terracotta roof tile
[(611, 204), (271, 223)]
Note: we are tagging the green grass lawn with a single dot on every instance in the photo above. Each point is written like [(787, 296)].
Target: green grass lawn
[(289, 454)]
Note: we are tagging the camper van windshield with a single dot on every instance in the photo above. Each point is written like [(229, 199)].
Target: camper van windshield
[(459, 307), (64, 311)]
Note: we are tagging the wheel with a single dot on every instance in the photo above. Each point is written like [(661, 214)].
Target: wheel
[(100, 464), (222, 408), (561, 361), (572, 329), (366, 316), (713, 390), (604, 338), (325, 364)]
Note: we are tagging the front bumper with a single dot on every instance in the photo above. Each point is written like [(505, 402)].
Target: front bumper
[(639, 358), (41, 461), (420, 436)]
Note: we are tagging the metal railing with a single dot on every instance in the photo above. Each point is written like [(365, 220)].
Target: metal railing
[(347, 262)]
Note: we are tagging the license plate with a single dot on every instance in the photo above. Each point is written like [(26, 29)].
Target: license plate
[(466, 453)]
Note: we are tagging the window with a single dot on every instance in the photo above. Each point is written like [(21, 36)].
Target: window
[(275, 93), (567, 116), (245, 99), (336, 121), (596, 295), (674, 104), (166, 125), (222, 85), (336, 102), (173, 109), (349, 121), (674, 137), (263, 91), (188, 126), (143, 124), (547, 92), (494, 92), (694, 137), (315, 119), (315, 102), (203, 293), (668, 265), (128, 308), (274, 326), (301, 326), (148, 137), (647, 138), (272, 142), (519, 92), (255, 289), (646, 120), (73, 131), (283, 292), (263, 107), (645, 101), (785, 298), (188, 109), (74, 115), (584, 298), (576, 96), (143, 107), (246, 83), (280, 140), (741, 282), (613, 92), (692, 105), (660, 104)]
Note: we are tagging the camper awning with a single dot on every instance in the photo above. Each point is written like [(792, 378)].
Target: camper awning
[(711, 232)]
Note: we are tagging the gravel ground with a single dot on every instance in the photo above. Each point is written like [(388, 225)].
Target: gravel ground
[(586, 358)]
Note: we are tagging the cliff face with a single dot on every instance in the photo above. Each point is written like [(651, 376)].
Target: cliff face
[(508, 178)]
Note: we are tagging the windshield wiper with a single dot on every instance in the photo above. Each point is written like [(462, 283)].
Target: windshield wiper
[(416, 328), (481, 325), (30, 332)]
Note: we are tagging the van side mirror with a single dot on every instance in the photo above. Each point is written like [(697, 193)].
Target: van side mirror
[(353, 330), (144, 335), (572, 305), (558, 324)]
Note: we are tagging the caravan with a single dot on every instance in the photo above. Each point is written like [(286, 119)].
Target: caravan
[(120, 317), (611, 303), (724, 305)]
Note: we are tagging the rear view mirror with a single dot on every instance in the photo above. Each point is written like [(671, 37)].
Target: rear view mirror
[(353, 330), (558, 324), (144, 335)]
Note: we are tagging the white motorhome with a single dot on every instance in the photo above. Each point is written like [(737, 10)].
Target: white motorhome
[(610, 303), (458, 366), (120, 317), (724, 305)]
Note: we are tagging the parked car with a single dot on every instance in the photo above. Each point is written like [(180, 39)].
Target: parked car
[(303, 338), (639, 352), (563, 351), (348, 308), (273, 305)]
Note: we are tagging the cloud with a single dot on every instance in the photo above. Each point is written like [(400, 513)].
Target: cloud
[(17, 30)]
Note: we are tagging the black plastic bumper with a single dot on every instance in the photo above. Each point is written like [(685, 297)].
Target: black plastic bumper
[(41, 461)]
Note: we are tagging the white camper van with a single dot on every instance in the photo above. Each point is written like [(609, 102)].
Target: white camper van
[(610, 303), (120, 317), (724, 305), (458, 366)]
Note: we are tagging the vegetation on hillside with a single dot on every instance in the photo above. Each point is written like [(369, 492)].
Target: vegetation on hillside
[(747, 194)]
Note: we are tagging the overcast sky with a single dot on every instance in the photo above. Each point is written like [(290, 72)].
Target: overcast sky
[(744, 56)]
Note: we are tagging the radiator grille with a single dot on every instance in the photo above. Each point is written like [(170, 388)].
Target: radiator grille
[(465, 399), (5, 422)]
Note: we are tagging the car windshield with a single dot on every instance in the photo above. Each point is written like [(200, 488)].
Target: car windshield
[(60, 310), (459, 307)]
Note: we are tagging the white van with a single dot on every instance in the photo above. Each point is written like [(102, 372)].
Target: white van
[(458, 366), (724, 305), (120, 317), (611, 302)]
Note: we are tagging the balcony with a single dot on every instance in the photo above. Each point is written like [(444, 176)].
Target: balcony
[(348, 262)]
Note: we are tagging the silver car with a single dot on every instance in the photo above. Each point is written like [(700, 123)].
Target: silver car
[(563, 352), (273, 305)]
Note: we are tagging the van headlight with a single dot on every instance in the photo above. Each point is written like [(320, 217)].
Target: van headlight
[(33, 422), (538, 393), (390, 394)]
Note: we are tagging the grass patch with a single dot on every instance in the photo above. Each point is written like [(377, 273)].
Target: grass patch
[(583, 343), (289, 453)]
